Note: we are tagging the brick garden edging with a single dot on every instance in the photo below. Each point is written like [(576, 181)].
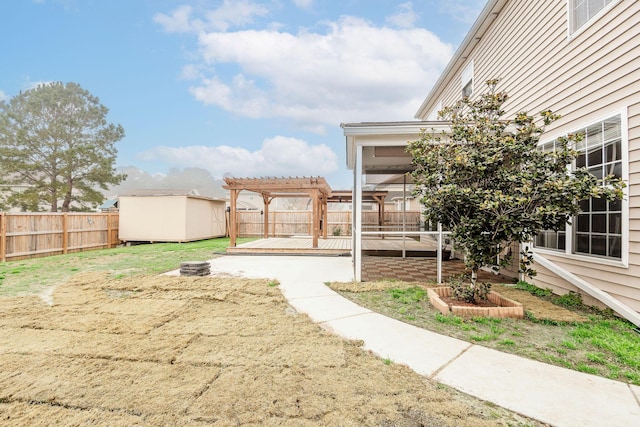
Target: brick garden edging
[(506, 307)]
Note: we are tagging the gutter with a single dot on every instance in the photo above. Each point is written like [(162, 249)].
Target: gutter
[(616, 305)]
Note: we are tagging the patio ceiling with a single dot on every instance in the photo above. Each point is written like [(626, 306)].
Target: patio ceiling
[(384, 145)]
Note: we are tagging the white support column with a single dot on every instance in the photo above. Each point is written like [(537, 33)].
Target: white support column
[(439, 253), (404, 215), (357, 215)]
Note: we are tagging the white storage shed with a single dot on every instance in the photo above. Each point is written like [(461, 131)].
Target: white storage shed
[(170, 218)]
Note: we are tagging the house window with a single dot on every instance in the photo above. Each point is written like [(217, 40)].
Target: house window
[(467, 81), (555, 240), (581, 11), (597, 230)]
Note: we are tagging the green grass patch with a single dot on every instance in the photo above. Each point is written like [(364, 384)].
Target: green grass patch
[(33, 275), (408, 296), (449, 320), (603, 345), (532, 289), (570, 299)]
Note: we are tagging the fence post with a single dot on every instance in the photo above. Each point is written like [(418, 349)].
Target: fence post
[(65, 233), (108, 230), (3, 236)]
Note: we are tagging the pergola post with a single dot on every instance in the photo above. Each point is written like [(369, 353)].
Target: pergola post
[(380, 200), (233, 221), (265, 228), (315, 218), (315, 188), (325, 216)]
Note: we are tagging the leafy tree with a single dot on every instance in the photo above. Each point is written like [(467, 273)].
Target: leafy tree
[(56, 141), (488, 183)]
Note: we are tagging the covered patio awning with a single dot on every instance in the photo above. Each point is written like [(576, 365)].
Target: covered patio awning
[(316, 188), (376, 152)]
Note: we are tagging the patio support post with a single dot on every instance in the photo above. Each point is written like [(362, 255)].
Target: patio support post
[(439, 253), (233, 221), (357, 214), (404, 215)]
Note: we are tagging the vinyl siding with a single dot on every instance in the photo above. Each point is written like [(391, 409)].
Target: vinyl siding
[(585, 78)]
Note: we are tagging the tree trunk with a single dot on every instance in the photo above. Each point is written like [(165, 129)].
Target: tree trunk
[(474, 277), (67, 196), (54, 201), (67, 202)]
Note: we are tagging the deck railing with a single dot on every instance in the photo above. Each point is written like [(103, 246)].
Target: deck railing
[(292, 223)]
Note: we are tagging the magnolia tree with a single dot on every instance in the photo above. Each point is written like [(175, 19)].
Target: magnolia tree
[(490, 185)]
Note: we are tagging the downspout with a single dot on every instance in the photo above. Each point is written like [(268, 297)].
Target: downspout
[(613, 303)]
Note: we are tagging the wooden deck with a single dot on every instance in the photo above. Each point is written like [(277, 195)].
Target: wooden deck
[(302, 245)]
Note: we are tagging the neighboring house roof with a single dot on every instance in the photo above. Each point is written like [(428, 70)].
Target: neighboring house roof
[(109, 204), (162, 192), (490, 12)]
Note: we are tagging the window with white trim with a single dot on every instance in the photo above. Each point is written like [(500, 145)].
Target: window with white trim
[(597, 230), (581, 11), (556, 240), (467, 80)]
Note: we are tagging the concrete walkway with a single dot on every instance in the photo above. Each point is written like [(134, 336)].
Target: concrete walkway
[(547, 393)]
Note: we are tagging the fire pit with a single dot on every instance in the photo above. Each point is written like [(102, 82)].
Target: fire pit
[(195, 268)]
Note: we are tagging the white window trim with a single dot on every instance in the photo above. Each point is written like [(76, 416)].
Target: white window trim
[(574, 33), (467, 76), (568, 251)]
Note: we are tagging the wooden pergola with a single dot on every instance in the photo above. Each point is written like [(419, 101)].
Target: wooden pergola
[(316, 188), (346, 196)]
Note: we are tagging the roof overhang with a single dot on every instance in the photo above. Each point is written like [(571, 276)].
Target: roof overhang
[(384, 144)]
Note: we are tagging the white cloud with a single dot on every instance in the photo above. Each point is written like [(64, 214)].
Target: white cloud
[(232, 13), (405, 18), (179, 21), (303, 4), (466, 11), (3, 96), (353, 71), (278, 156)]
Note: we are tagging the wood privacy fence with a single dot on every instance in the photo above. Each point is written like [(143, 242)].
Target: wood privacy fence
[(27, 235), (291, 223)]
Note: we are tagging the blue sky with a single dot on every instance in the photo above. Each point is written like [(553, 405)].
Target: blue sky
[(237, 87)]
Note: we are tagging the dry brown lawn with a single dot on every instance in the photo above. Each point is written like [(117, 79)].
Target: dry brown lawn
[(202, 351)]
